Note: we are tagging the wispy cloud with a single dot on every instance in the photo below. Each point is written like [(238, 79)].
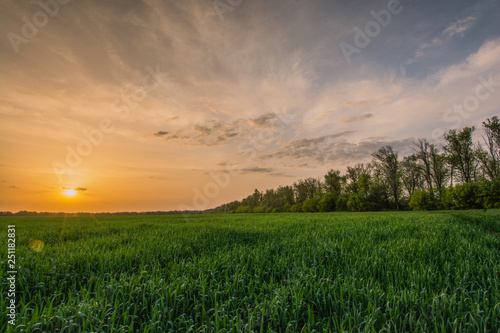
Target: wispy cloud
[(257, 170), (356, 119), (266, 120), (158, 177), (460, 27), (486, 59), (203, 129), (435, 45), (219, 132), (338, 152)]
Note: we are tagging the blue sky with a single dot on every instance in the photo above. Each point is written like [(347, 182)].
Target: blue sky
[(263, 87)]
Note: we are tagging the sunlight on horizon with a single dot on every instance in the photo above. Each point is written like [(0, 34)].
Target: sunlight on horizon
[(69, 193)]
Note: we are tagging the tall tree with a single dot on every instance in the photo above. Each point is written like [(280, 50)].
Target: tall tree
[(460, 150), (269, 199), (411, 174), (253, 200), (353, 173), (306, 189), (489, 158), (387, 160), (286, 196), (440, 172), (422, 151), (334, 182), (379, 191)]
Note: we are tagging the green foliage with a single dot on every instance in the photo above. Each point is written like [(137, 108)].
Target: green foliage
[(366, 272), (334, 182), (489, 193), (328, 203), (342, 203), (464, 196), (307, 189), (356, 203), (460, 151), (296, 208), (489, 157), (423, 200), (387, 162), (244, 209), (310, 205), (259, 209)]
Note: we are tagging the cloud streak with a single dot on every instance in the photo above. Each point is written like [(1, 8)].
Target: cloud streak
[(356, 119), (460, 27)]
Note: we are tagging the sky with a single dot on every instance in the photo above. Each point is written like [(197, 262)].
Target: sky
[(172, 105)]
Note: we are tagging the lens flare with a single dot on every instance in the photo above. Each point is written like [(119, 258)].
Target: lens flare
[(37, 245)]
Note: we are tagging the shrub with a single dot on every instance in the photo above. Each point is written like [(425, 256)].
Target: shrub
[(488, 193), (468, 196), (342, 203), (328, 203), (484, 194), (310, 205), (259, 209), (356, 203), (422, 200), (244, 209)]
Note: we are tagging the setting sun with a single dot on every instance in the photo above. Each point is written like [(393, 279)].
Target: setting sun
[(69, 192)]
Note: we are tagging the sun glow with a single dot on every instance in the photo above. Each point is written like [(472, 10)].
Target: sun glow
[(69, 192)]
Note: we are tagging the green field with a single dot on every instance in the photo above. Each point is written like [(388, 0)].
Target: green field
[(368, 272)]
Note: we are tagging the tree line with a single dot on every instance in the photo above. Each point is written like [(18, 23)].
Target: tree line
[(458, 174), (25, 213)]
